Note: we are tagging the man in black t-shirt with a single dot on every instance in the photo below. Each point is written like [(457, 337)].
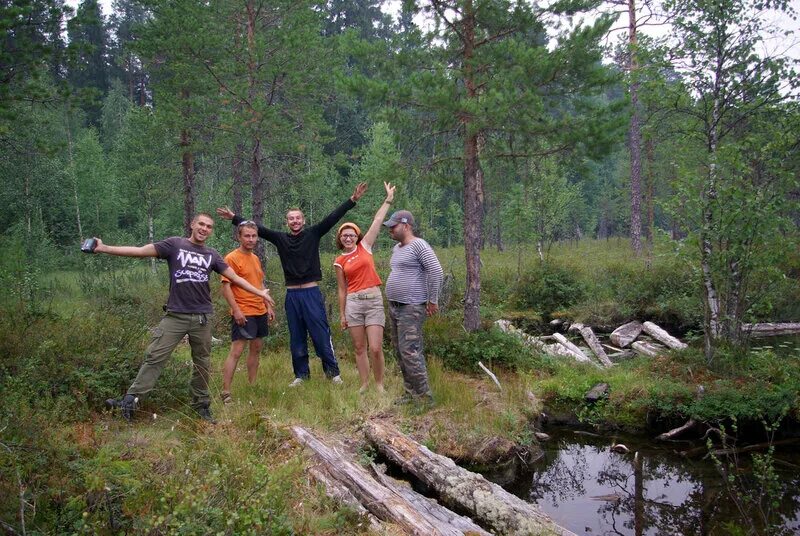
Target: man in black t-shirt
[(187, 312), (305, 306)]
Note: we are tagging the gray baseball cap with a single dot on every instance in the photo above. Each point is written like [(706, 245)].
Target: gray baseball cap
[(401, 216)]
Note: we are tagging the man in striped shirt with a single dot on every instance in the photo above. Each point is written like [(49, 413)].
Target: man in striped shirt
[(413, 293)]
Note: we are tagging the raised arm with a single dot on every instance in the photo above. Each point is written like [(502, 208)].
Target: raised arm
[(148, 250), (372, 233), (242, 283), (330, 220), (264, 232)]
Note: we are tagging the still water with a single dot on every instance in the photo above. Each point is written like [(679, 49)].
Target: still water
[(589, 489)]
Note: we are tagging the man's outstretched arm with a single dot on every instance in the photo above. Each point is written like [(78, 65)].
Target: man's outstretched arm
[(148, 250), (242, 283)]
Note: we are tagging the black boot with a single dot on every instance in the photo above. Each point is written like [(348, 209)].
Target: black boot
[(204, 411), (127, 405)]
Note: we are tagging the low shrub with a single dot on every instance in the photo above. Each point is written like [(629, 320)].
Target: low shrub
[(462, 351), (548, 288)]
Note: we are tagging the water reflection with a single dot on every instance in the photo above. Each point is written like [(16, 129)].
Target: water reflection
[(589, 489)]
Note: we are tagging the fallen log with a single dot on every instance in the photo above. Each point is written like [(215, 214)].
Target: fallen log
[(536, 343), (770, 329), (626, 333), (433, 511), (497, 509), (341, 494), (647, 349), (382, 502), (573, 350), (593, 342), (675, 432), (662, 336)]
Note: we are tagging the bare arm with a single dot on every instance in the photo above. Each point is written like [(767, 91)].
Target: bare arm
[(227, 293), (372, 233), (148, 250), (341, 293), (242, 283)]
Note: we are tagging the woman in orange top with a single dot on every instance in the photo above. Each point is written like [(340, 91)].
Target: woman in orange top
[(359, 290)]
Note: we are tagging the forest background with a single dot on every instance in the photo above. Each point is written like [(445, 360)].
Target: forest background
[(562, 161)]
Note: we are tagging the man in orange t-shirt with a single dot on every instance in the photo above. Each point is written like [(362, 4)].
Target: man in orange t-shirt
[(249, 317)]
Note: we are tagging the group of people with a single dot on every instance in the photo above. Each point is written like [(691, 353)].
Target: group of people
[(412, 292)]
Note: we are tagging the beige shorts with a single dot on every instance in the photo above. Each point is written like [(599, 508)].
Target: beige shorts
[(365, 308)]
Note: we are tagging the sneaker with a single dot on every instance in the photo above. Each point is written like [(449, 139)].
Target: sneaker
[(127, 406), (337, 380), (296, 382), (205, 413)]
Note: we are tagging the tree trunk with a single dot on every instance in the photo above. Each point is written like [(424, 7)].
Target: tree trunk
[(647, 349), (473, 181), (420, 516), (770, 329), (257, 186), (662, 336), (238, 183), (74, 182), (187, 162), (626, 333), (256, 180), (502, 512), (634, 133), (151, 235), (711, 322), (650, 225), (593, 342), (574, 351)]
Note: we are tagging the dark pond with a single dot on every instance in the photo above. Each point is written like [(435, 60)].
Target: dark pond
[(589, 489)]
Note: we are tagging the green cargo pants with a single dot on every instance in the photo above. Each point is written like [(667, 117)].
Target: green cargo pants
[(172, 328)]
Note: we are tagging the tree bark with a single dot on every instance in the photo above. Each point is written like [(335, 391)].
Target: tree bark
[(238, 183), (473, 181), (383, 502), (770, 329), (647, 349), (593, 342), (187, 162), (634, 133), (576, 352), (499, 510), (662, 336), (626, 333)]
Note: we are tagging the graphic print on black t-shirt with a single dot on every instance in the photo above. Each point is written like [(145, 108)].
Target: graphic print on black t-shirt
[(193, 267)]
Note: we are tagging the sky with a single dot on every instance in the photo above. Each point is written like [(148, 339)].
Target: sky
[(789, 45)]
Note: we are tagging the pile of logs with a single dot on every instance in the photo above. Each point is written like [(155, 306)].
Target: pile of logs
[(623, 337), (379, 497)]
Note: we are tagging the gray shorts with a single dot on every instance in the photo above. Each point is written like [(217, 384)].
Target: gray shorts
[(365, 308)]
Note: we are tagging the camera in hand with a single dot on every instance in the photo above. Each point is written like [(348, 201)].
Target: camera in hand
[(88, 245)]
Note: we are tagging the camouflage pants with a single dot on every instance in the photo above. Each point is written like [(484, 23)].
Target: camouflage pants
[(406, 328)]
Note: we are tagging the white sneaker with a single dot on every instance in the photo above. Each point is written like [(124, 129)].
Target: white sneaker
[(296, 382), (337, 380)]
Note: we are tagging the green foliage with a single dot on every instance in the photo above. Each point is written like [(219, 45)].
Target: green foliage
[(547, 289), (461, 350)]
